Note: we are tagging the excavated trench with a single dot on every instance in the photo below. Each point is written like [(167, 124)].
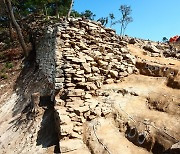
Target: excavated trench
[(155, 130), (145, 111)]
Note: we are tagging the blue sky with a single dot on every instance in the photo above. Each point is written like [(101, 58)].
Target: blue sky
[(152, 19)]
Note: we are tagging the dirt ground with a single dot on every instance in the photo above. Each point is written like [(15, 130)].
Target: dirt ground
[(144, 117), (144, 103)]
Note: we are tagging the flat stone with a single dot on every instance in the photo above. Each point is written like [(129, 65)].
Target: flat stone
[(130, 70), (108, 81), (87, 96), (70, 85), (93, 104), (78, 129), (91, 86), (113, 73), (105, 110), (59, 85), (66, 129), (59, 80), (65, 35), (95, 69), (97, 53), (75, 92), (151, 48), (71, 145), (88, 58), (123, 74), (64, 119), (102, 63), (123, 50), (130, 58), (76, 79), (123, 43), (81, 72), (94, 63), (102, 30), (80, 110), (93, 78), (76, 60), (86, 67)]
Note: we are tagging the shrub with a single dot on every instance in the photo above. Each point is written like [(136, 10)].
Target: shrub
[(9, 65), (3, 76)]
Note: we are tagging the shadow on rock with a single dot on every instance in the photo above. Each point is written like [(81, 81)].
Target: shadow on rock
[(48, 135)]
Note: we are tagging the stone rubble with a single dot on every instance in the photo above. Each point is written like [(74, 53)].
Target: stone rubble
[(87, 55)]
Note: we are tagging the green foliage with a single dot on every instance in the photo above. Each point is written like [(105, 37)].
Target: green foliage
[(8, 65), (3, 70), (103, 20), (46, 7), (3, 76), (2, 56), (88, 14), (112, 17), (125, 19), (59, 8), (165, 39), (75, 14)]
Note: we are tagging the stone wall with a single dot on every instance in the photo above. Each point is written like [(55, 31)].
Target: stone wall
[(87, 56), (78, 57)]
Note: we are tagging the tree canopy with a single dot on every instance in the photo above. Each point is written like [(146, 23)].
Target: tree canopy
[(21, 9)]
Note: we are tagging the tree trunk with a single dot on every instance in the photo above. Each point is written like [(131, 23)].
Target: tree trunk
[(10, 29), (57, 10), (121, 31), (17, 27), (9, 22), (70, 9), (46, 14)]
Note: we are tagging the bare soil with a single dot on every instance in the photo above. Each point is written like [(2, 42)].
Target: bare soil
[(144, 118)]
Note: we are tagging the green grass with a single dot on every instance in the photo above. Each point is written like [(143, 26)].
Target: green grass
[(2, 56), (9, 65), (2, 70), (3, 76)]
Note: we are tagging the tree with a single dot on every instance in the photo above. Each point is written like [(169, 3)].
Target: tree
[(126, 18), (111, 16), (75, 13), (70, 9), (46, 7), (5, 19), (17, 27), (103, 20), (165, 39), (88, 14)]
